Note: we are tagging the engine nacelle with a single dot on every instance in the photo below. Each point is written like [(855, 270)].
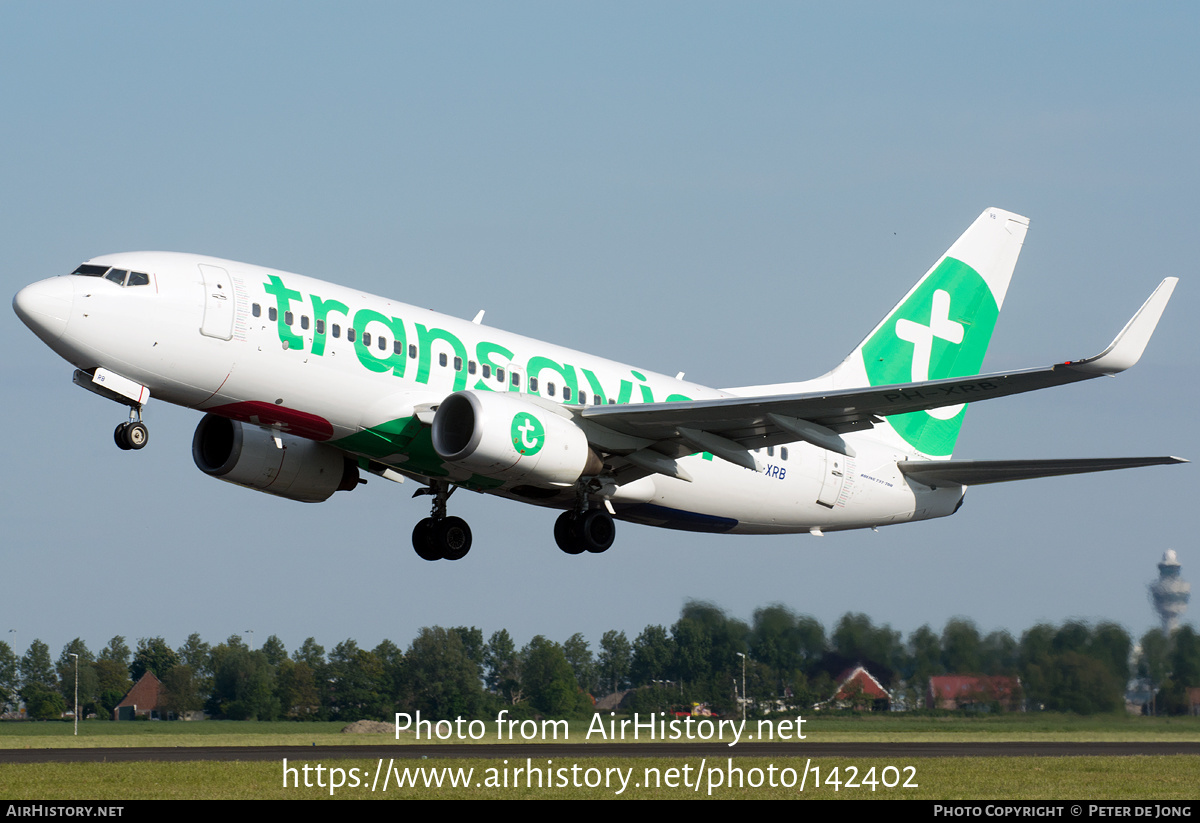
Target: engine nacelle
[(501, 435), (248, 455)]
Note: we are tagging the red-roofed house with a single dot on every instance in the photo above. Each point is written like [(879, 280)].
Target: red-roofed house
[(857, 689), (141, 700), (960, 691)]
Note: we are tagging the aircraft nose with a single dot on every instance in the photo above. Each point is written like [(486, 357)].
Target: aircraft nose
[(45, 306)]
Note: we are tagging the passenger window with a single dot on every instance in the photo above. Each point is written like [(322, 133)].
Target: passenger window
[(137, 278), (533, 384), (550, 389), (516, 380), (442, 359), (412, 351), (783, 452), (458, 364), (582, 398), (304, 321), (770, 451), (288, 317), (350, 334), (256, 310), (272, 314), (367, 339), (337, 330), (320, 327), (566, 392), (500, 375), (487, 370), (397, 347), (470, 367)]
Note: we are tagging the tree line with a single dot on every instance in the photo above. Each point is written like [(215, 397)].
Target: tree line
[(790, 662)]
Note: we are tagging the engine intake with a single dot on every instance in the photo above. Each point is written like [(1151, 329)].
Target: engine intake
[(247, 455)]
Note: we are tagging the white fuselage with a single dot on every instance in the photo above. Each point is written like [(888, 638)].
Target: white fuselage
[(260, 345)]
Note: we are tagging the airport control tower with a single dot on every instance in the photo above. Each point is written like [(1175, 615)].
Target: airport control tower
[(1170, 593)]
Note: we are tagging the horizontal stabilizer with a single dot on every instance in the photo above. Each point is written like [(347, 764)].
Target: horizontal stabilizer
[(979, 472)]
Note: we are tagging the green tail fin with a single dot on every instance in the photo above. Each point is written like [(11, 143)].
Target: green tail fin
[(941, 328)]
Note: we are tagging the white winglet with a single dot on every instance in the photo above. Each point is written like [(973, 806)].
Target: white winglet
[(1126, 349)]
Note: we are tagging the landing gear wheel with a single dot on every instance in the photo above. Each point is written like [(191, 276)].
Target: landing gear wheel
[(423, 540), (137, 435), (564, 534), (439, 537), (595, 531), (132, 435), (453, 538)]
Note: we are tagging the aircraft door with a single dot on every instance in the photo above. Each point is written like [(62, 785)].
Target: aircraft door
[(832, 478), (219, 303)]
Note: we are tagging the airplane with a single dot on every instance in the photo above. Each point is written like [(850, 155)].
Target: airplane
[(306, 386)]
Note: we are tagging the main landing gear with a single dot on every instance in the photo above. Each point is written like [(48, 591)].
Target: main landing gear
[(134, 434), (439, 537), (592, 531)]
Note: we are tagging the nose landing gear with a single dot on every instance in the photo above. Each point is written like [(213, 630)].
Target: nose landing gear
[(132, 435), (111, 386), (439, 537)]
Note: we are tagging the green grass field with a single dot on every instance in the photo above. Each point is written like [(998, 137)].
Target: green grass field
[(988, 778), (1128, 778), (888, 728)]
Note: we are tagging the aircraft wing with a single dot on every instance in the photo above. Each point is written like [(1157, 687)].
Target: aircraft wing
[(728, 426), (979, 472)]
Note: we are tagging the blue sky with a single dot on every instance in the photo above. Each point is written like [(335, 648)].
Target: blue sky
[(735, 192)]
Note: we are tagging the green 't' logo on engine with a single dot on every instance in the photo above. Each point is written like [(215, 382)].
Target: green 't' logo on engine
[(528, 435), (941, 330)]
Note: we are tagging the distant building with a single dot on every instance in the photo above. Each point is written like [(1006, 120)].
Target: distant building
[(1139, 696), (858, 689), (1170, 593), (964, 691), (1193, 700), (614, 701), (142, 700)]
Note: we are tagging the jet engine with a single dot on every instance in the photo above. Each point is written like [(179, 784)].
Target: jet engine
[(275, 463), (504, 436)]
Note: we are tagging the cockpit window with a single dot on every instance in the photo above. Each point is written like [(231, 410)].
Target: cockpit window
[(121, 277)]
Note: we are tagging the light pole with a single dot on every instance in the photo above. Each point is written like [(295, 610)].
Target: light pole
[(739, 654), (76, 692)]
